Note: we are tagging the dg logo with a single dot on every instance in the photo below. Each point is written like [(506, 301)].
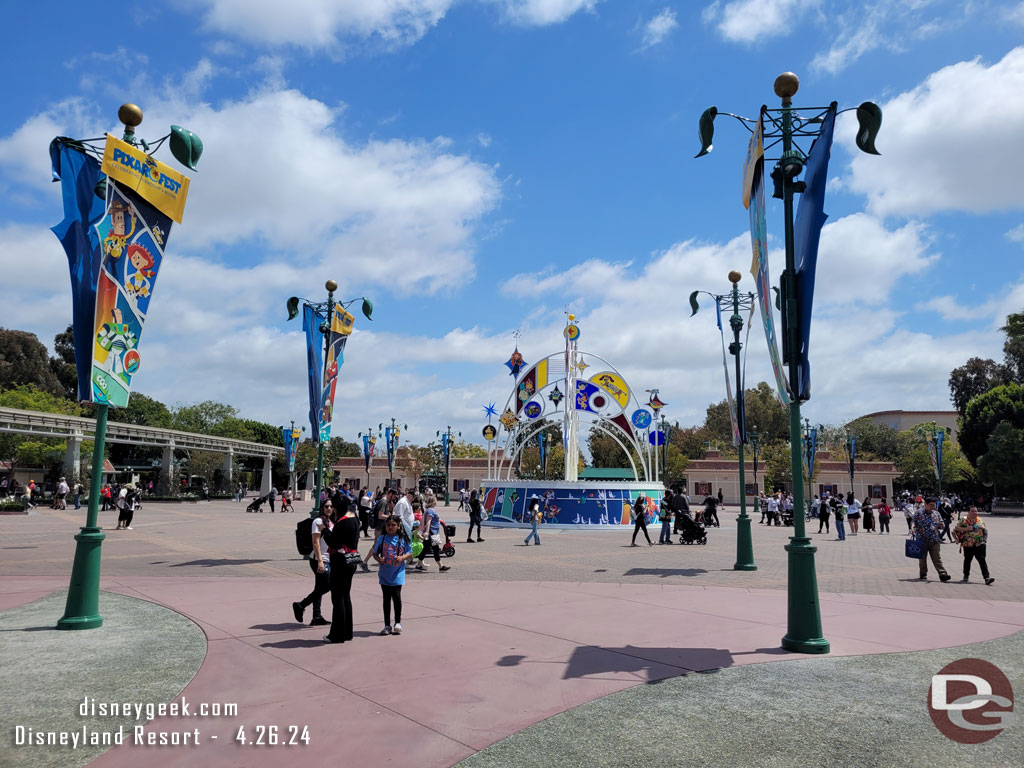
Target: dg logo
[(970, 701)]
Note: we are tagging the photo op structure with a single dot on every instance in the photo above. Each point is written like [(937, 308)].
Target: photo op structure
[(561, 392)]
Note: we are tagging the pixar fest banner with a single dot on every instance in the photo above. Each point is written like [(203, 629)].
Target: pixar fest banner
[(115, 250)]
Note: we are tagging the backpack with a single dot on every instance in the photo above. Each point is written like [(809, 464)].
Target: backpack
[(304, 537)]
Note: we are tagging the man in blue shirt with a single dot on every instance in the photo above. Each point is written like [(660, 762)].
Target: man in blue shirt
[(928, 528)]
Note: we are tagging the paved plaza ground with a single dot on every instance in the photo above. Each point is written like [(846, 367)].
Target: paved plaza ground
[(583, 651)]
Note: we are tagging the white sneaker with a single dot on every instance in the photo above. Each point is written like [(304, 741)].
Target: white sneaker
[(398, 629)]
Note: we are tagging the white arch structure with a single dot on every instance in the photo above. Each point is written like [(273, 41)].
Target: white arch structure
[(561, 369)]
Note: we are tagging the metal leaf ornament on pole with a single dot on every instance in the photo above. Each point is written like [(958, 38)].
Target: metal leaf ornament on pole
[(803, 633), (119, 205)]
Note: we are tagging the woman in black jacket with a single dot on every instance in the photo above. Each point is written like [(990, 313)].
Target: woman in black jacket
[(474, 517), (344, 537)]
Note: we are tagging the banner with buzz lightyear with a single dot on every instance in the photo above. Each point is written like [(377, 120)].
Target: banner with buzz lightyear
[(291, 443), (115, 241), (369, 445)]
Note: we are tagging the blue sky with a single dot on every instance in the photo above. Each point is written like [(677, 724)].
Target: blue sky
[(477, 166)]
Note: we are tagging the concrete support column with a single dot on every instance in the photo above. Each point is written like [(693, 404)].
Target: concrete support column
[(167, 470), (229, 469), (265, 480), (73, 458)]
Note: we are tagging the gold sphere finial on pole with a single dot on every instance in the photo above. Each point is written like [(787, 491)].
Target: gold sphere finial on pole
[(331, 286), (786, 86), (130, 115), (735, 277)]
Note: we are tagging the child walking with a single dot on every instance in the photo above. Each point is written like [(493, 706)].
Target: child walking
[(392, 550)]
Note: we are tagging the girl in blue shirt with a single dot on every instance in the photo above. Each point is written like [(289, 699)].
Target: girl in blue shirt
[(392, 550)]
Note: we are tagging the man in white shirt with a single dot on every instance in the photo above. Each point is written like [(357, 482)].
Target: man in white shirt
[(773, 509), (62, 494), (404, 510)]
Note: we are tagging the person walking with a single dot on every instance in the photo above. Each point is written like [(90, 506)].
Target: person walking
[(342, 538), (711, 509), (640, 519), (475, 516), (392, 550), (839, 511), (869, 516), (62, 493), (320, 564), (946, 513), (431, 528), (928, 528), (823, 514), (78, 495), (403, 508), (681, 507), (721, 497), (665, 515), (772, 506), (908, 511), (272, 496), (884, 516), (536, 515), (973, 537), (852, 512), (364, 512)]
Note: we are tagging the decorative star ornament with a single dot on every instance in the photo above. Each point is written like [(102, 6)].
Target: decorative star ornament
[(515, 363), (581, 366), (556, 396), (490, 410)]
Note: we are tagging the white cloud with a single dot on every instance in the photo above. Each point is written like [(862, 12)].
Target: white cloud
[(746, 21), (949, 308), (950, 144), (276, 172), (1016, 235), (320, 23), (658, 28), (544, 12), (330, 24)]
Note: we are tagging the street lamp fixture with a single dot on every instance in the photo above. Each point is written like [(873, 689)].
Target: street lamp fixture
[(391, 439), (737, 411), (803, 633)]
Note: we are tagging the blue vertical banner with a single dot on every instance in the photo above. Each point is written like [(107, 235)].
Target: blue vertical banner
[(323, 379), (115, 248), (753, 201), (853, 456), (812, 449), (935, 451), (810, 218), (542, 452), (733, 410), (291, 444), (312, 318), (391, 441), (369, 444)]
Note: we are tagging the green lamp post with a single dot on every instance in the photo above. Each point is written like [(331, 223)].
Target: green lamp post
[(446, 446), (325, 329), (744, 542), (804, 634), (935, 440), (391, 438), (663, 424), (81, 610)]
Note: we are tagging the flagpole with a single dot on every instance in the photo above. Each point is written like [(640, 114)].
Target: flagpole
[(331, 287)]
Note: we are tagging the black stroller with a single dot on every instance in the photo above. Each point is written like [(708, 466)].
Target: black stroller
[(257, 503), (692, 531)]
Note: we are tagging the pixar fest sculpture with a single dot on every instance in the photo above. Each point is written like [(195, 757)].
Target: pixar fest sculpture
[(562, 391)]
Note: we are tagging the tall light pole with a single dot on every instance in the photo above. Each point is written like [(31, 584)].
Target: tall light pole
[(744, 540), (446, 449), (663, 423), (803, 633), (325, 329), (119, 205), (391, 437), (369, 441), (851, 452), (935, 439)]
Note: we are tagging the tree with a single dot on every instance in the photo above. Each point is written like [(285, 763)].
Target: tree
[(874, 441), (25, 360), (916, 468), (37, 453), (985, 412), (764, 410), (464, 450), (777, 465), (691, 441), (973, 378), (604, 451), (676, 465), (201, 417), (146, 412), (1003, 461), (1013, 347), (63, 364)]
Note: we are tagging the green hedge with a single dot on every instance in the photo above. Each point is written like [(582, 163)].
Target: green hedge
[(5, 505)]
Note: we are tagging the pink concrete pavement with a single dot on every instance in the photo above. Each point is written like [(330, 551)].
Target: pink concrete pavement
[(481, 660)]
